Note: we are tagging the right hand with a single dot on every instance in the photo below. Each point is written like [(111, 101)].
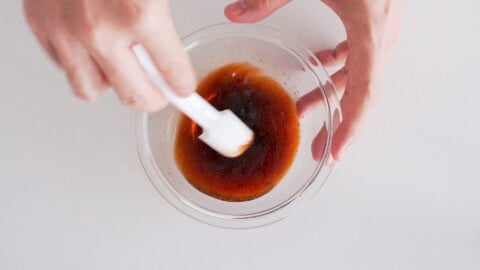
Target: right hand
[(92, 39)]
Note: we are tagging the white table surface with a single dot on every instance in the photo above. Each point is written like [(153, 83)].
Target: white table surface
[(73, 194)]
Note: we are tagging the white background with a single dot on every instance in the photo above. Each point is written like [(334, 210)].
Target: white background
[(73, 194)]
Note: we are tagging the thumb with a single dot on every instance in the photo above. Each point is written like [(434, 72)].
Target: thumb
[(245, 11)]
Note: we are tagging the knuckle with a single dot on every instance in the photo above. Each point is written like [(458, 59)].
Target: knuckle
[(92, 37), (143, 15), (134, 8), (134, 100), (105, 50), (98, 40), (174, 71), (145, 25), (179, 75)]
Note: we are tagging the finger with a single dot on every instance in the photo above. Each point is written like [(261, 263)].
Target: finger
[(361, 89), (35, 27), (47, 45), (334, 57), (339, 79), (129, 81), (252, 10), (170, 58), (86, 78), (315, 97), (309, 101), (319, 143)]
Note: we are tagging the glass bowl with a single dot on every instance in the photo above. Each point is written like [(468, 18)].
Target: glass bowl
[(290, 64)]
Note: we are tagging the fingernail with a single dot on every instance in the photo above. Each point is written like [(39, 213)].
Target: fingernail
[(344, 150), (341, 153), (330, 161), (313, 61), (237, 8)]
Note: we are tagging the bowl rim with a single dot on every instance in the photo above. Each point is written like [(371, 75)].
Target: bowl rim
[(273, 214)]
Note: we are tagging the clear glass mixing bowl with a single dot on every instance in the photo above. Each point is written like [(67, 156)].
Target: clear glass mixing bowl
[(292, 65)]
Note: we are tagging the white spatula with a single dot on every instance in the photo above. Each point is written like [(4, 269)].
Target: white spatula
[(222, 131)]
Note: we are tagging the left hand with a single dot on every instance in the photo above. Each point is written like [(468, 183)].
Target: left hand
[(372, 27)]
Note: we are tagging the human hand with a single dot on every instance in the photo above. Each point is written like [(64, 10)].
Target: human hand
[(372, 27), (92, 39)]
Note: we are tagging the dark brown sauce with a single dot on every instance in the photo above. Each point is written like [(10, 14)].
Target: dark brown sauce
[(267, 109)]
